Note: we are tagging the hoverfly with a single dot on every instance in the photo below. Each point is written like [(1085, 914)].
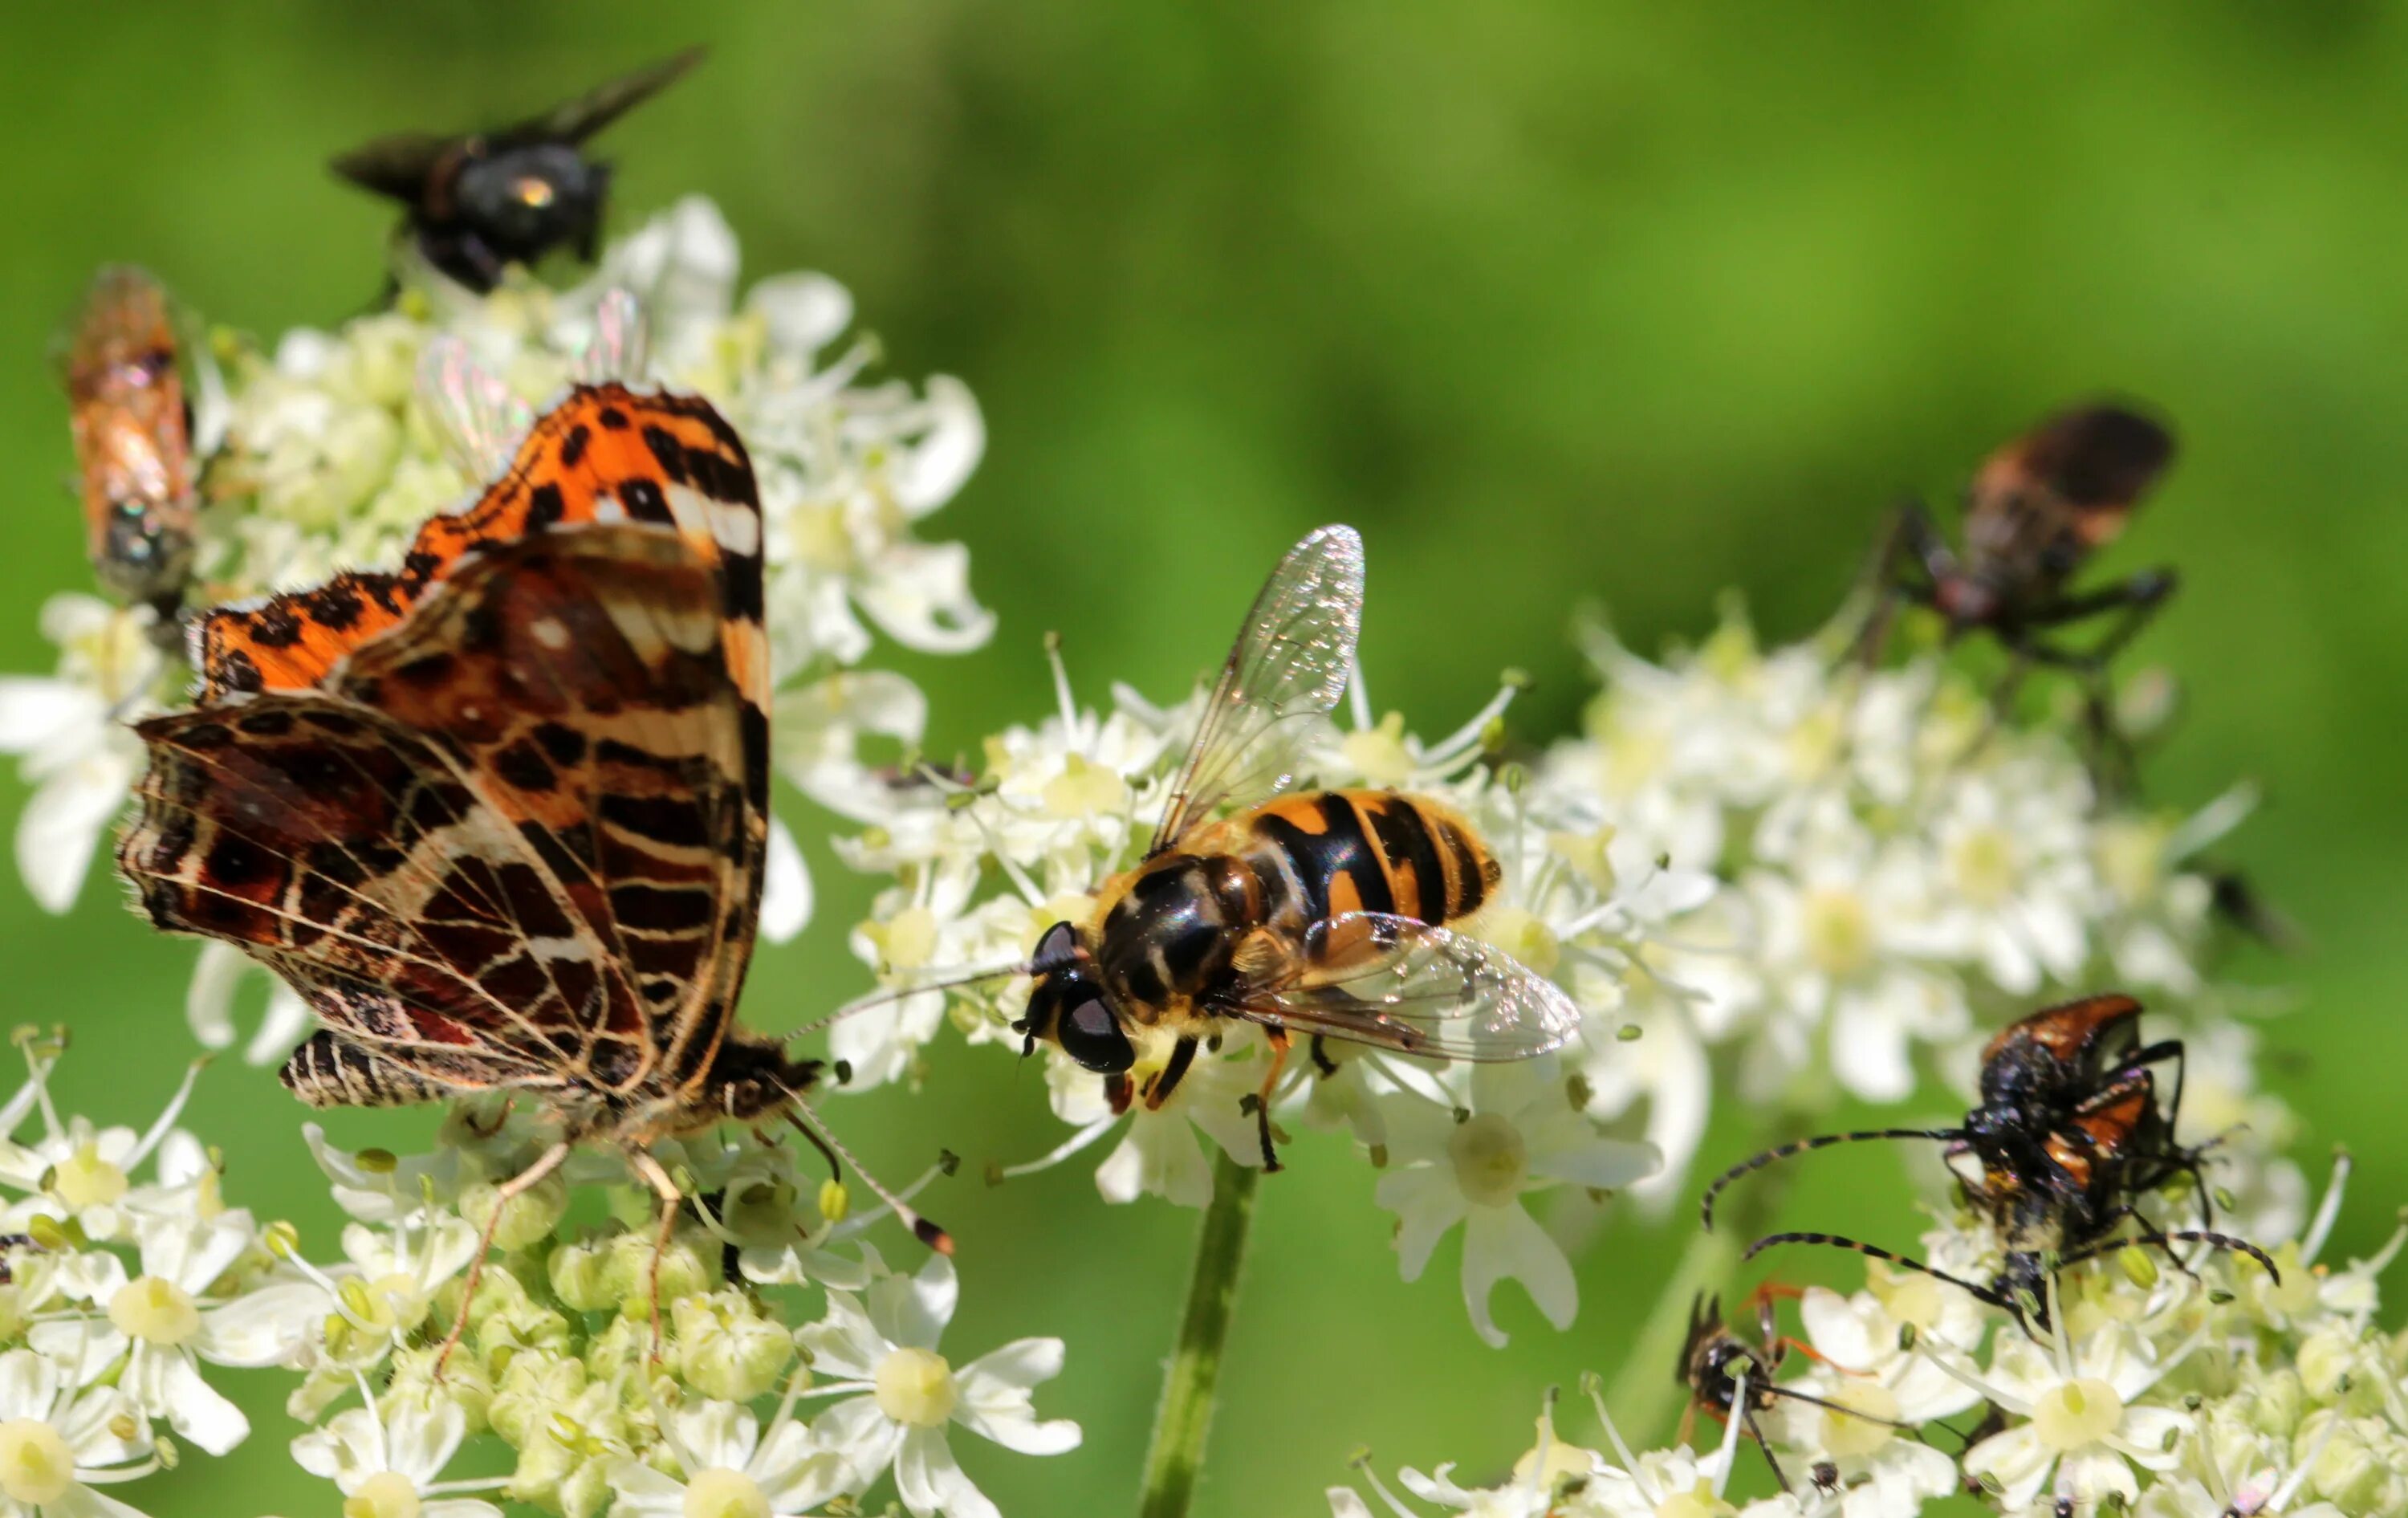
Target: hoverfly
[(133, 438), (1715, 1363), (2034, 513), (480, 201), (2064, 1140), (1323, 913)]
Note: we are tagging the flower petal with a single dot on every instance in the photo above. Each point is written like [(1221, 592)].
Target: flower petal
[(1505, 1243)]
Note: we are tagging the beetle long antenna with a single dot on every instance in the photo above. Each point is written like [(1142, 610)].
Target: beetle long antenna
[(800, 1112), (896, 994), (2183, 1236), (1990, 1295), (1769, 1389), (1823, 1141)]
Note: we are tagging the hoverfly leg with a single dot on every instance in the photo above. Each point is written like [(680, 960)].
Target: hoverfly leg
[(1159, 1087), (1117, 1092), (1279, 1042), (1321, 1060)]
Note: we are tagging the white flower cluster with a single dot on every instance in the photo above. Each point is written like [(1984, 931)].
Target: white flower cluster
[(333, 454), (131, 1282), (1905, 870), (2196, 1389), (985, 865)]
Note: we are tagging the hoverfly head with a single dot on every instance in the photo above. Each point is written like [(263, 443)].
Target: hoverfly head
[(1068, 1006)]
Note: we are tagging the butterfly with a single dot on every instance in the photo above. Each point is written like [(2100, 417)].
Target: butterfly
[(500, 815)]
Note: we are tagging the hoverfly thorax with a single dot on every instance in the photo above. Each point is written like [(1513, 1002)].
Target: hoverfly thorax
[(1070, 1007)]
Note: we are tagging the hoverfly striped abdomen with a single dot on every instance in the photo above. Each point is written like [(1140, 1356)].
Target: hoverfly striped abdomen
[(1339, 852)]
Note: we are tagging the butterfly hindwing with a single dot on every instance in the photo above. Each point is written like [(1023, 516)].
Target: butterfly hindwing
[(511, 842)]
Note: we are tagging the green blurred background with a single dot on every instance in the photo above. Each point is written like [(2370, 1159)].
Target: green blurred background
[(1556, 302)]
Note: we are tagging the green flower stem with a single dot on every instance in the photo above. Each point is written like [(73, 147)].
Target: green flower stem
[(1176, 1454), (1647, 1393)]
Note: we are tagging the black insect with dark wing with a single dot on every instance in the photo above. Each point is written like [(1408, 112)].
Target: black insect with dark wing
[(2036, 511), (480, 201)]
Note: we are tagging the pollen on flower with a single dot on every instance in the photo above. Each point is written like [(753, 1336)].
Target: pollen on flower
[(1491, 1158), (2075, 1414), (720, 1493), (387, 1494), (1839, 931), (84, 1179), (1843, 1434), (1983, 862), (916, 1387), (1085, 788), (155, 1311), (35, 1466), (1524, 934), (1378, 753)]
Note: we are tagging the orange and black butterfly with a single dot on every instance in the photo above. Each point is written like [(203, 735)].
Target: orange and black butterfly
[(133, 428), (478, 202), (500, 817), (1325, 914)]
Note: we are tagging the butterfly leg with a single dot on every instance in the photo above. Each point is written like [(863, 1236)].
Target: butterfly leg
[(664, 1186), (507, 1191), (1277, 1039)]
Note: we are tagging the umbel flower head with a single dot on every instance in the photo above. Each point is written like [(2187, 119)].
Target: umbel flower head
[(2181, 1390)]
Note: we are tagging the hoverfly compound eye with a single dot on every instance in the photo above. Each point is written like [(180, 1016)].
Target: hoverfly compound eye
[(1092, 1035), (1058, 948)]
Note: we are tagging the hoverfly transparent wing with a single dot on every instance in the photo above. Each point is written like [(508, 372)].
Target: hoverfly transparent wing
[(1285, 674), (618, 347), (1403, 984), (475, 415)]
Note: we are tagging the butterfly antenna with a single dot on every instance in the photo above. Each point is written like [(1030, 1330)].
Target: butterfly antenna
[(798, 1112), (894, 994)]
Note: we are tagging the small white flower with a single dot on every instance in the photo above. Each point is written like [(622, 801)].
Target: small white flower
[(2010, 848), (70, 731), (730, 1469), (78, 1173), (1159, 1155), (57, 1443), (1515, 1132), (390, 1464), (880, 1352), (177, 1313), (2082, 1420)]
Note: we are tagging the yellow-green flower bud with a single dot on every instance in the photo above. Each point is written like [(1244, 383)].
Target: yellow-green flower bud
[(530, 1217), (580, 1274), (534, 1388), (725, 1349)]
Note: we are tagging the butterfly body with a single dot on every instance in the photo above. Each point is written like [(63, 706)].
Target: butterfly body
[(133, 438)]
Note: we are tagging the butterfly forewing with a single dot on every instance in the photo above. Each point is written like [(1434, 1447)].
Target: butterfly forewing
[(1407, 985), (1286, 672), (606, 453)]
